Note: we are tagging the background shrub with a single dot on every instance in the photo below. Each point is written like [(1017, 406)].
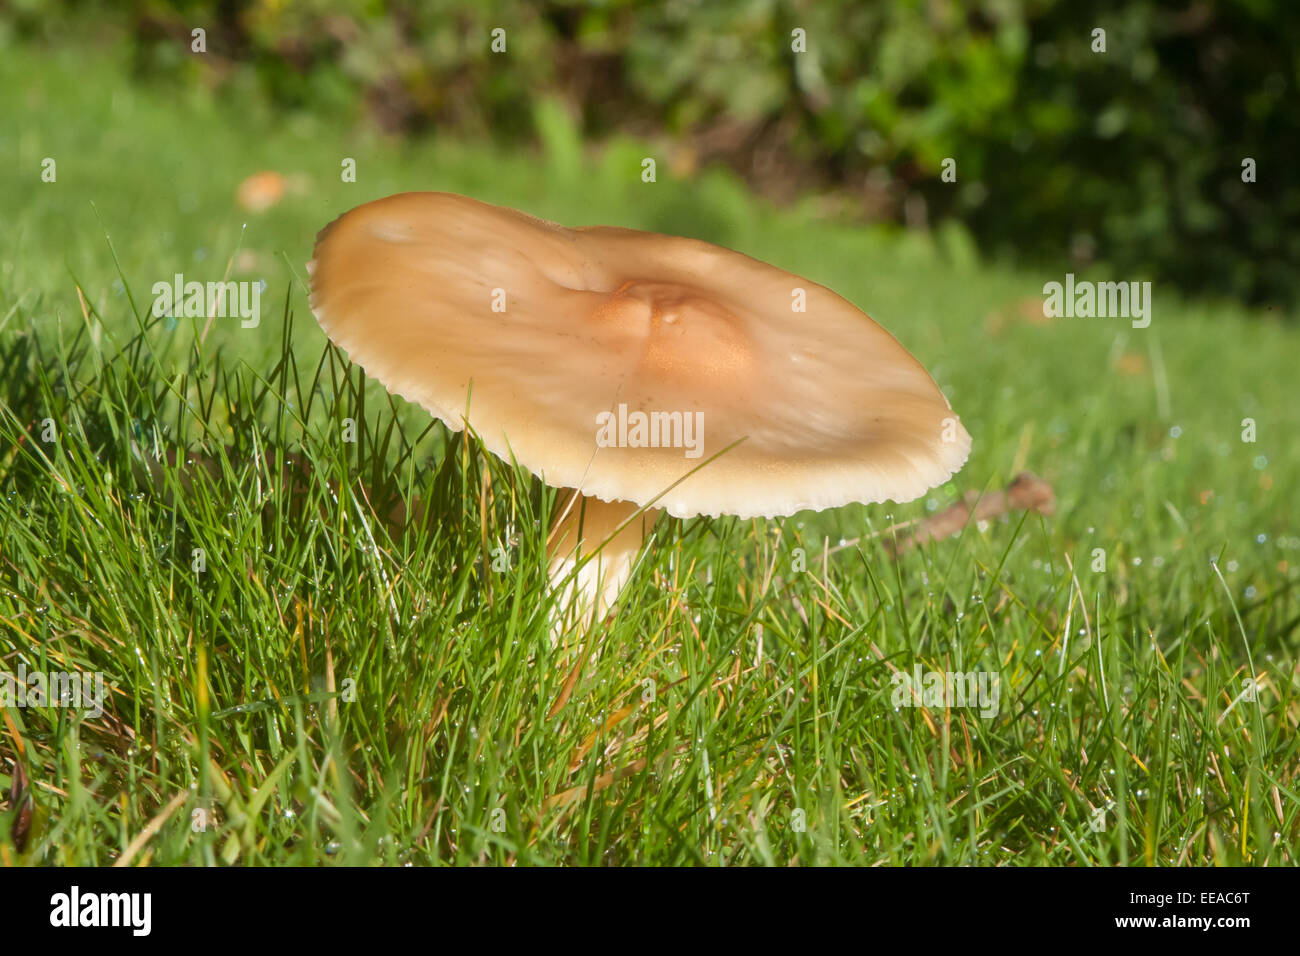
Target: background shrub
[(1129, 159)]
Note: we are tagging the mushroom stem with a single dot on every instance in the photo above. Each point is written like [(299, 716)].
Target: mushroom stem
[(608, 534)]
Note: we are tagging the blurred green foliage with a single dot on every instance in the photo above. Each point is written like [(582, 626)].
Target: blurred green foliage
[(1129, 158)]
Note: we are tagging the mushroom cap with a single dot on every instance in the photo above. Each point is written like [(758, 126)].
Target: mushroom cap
[(809, 410), (261, 191)]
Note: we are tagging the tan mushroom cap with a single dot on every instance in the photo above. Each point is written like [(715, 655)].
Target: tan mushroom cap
[(824, 407)]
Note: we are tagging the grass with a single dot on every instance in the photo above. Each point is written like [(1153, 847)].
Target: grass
[(334, 687)]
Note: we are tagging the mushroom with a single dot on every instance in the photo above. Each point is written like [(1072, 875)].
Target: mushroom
[(646, 372), (260, 191)]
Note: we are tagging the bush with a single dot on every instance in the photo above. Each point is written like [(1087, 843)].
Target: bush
[(1131, 158)]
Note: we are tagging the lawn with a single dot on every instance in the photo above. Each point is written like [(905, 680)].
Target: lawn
[(294, 677)]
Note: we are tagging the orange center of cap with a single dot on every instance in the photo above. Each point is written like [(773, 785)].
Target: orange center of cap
[(685, 332)]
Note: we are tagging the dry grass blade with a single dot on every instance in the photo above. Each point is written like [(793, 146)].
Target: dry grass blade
[(20, 800), (150, 828)]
